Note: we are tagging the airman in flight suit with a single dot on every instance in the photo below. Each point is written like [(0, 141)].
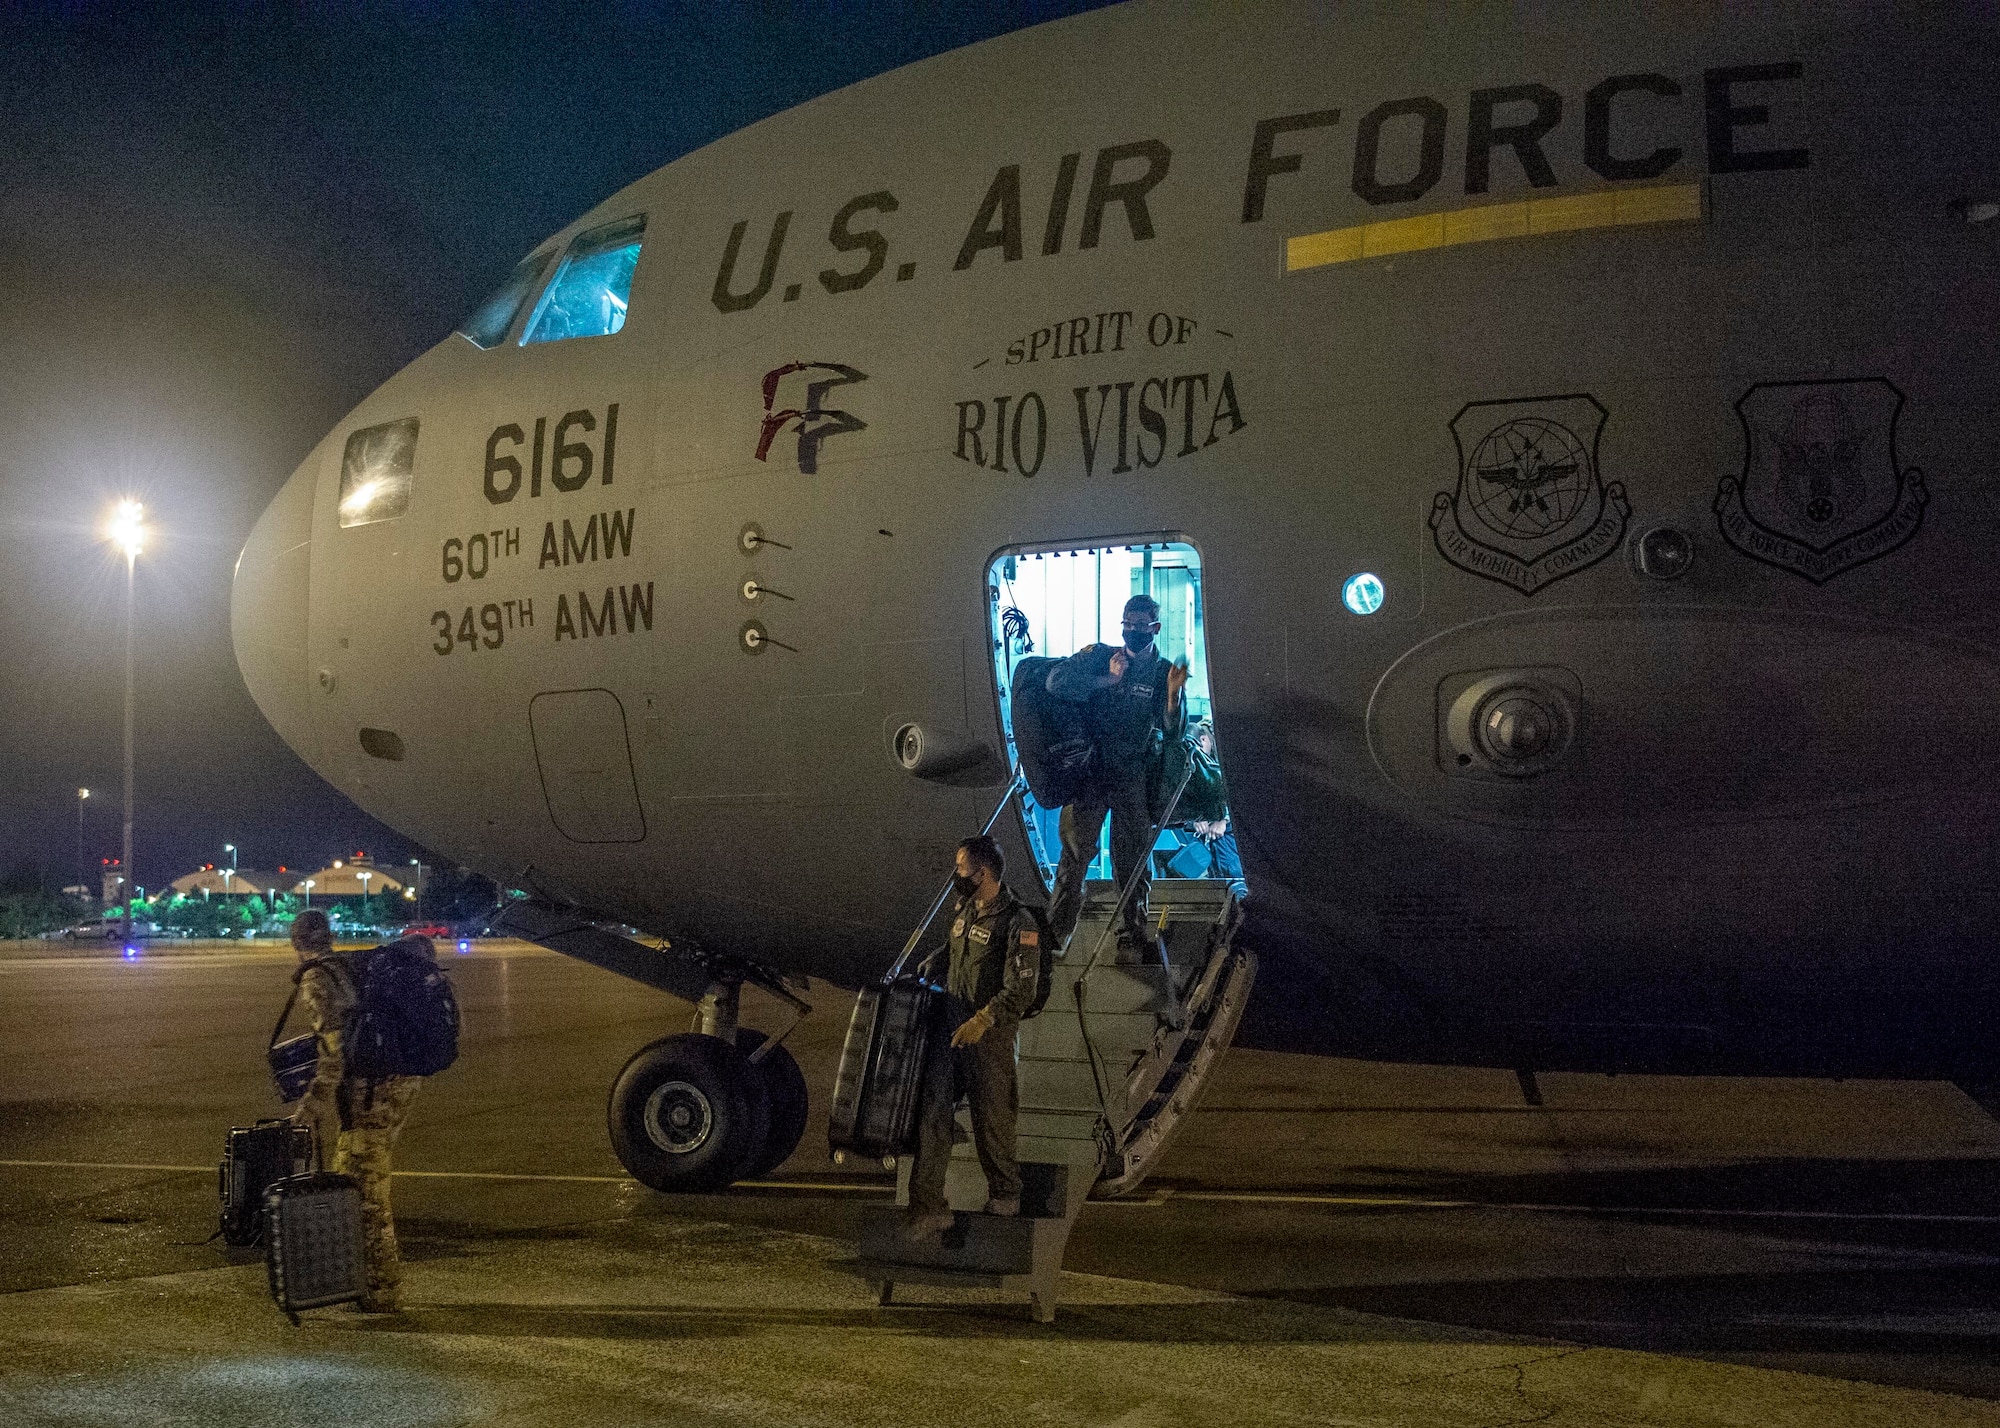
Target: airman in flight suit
[(996, 957), (1126, 698)]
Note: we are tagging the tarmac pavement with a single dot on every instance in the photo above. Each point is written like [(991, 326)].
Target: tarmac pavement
[(1329, 1242), (700, 1323)]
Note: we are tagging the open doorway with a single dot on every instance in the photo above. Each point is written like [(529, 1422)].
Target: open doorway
[(1055, 599)]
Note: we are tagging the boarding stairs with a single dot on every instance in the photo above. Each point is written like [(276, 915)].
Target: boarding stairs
[(1109, 1070)]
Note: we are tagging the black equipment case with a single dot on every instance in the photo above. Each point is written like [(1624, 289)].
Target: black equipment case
[(253, 1157), (877, 1090), (312, 1242)]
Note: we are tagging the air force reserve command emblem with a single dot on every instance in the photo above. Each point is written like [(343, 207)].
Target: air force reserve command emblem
[(1820, 491), (1530, 506), (813, 419)]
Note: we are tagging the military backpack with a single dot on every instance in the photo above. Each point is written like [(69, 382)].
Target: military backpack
[(405, 1018), (1046, 971)]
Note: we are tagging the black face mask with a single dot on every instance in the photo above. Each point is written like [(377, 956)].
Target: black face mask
[(1137, 640), (964, 886)]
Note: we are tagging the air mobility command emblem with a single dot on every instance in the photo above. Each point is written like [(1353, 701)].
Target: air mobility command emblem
[(1530, 507), (1821, 491)]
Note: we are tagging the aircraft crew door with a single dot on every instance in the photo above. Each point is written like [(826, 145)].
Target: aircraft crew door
[(1052, 600), (1130, 1032)]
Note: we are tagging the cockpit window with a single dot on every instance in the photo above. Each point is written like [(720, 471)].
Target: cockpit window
[(488, 326), (590, 290), (375, 472)]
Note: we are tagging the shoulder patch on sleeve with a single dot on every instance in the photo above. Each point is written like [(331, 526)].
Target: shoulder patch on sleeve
[(1031, 937)]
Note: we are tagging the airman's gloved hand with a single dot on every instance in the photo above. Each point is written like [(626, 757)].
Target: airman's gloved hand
[(976, 1026)]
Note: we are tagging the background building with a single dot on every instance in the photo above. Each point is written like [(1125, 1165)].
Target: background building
[(354, 877), (228, 882)]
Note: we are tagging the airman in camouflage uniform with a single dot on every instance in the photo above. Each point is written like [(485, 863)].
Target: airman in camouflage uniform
[(359, 1118), (996, 960)]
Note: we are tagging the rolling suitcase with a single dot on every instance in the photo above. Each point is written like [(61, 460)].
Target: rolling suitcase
[(252, 1158), (879, 1085), (312, 1242)]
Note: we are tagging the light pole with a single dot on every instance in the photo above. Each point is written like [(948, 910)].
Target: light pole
[(308, 886), (364, 875), (128, 533), (229, 878), (82, 872), (419, 898)]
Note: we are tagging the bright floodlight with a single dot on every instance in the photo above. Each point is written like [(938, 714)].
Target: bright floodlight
[(127, 528), (83, 793)]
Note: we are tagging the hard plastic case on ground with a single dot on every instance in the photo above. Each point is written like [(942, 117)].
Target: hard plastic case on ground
[(253, 1157)]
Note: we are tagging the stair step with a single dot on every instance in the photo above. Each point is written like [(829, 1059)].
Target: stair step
[(1050, 1133), (1059, 1086), (1112, 989), (986, 1244), (1060, 1038)]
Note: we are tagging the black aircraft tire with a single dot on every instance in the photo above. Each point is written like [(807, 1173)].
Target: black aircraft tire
[(786, 1085), (688, 1114)]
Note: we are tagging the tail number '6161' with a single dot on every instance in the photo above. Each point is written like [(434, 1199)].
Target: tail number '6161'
[(566, 454)]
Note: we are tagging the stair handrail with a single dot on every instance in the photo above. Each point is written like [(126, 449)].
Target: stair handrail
[(1110, 927), (917, 935)]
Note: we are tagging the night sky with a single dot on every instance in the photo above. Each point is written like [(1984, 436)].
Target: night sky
[(219, 229)]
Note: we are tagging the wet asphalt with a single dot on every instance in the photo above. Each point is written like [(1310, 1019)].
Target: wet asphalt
[(1850, 1231)]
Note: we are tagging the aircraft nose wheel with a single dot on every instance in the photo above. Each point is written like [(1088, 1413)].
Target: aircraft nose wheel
[(786, 1086), (689, 1113), (678, 1117)]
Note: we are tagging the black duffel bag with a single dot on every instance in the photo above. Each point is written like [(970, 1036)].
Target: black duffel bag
[(1051, 735)]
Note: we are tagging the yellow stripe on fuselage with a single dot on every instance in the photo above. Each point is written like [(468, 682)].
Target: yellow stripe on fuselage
[(1608, 208)]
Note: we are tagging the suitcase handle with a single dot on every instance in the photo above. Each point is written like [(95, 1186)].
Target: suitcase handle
[(944, 893)]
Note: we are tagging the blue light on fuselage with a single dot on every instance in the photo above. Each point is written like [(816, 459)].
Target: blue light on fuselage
[(1362, 593)]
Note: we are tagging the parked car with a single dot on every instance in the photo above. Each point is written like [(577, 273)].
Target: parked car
[(436, 931), (106, 929)]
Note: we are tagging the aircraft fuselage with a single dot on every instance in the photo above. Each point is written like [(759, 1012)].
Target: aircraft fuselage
[(1644, 360)]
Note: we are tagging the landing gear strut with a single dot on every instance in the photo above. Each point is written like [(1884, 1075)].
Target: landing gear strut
[(697, 1111)]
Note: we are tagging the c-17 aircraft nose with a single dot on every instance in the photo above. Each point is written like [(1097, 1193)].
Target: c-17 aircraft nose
[(268, 605)]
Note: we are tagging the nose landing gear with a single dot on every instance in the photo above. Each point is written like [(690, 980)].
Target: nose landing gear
[(689, 1113), (697, 1111), (785, 1084)]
